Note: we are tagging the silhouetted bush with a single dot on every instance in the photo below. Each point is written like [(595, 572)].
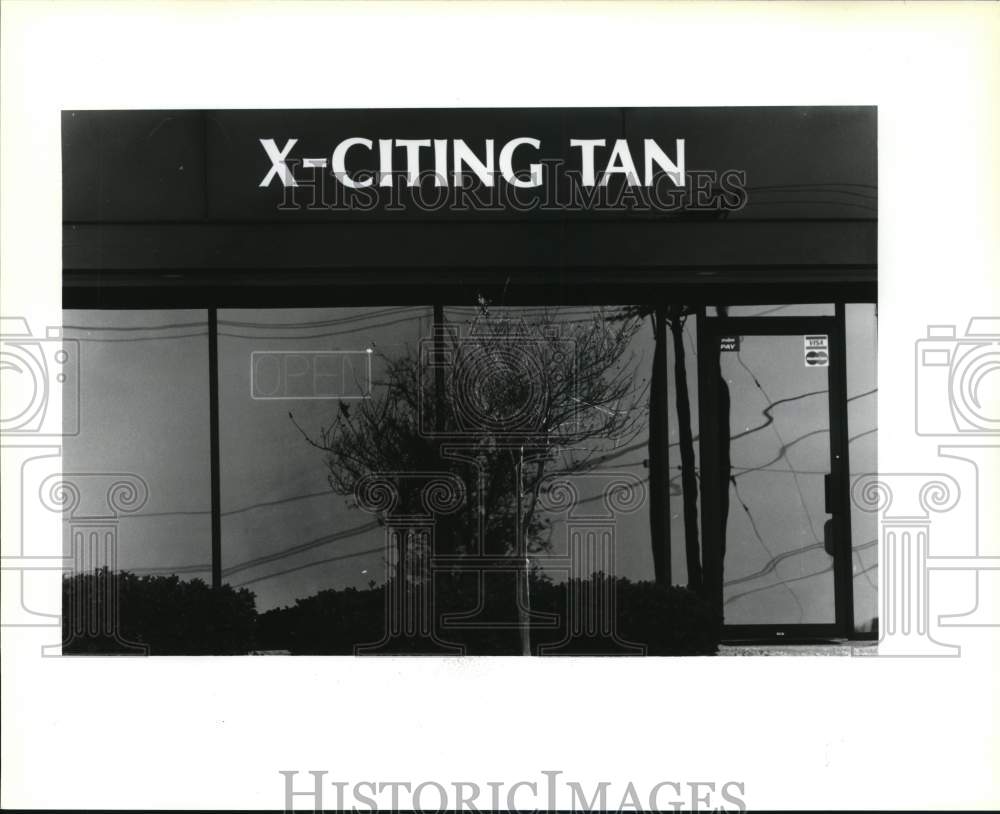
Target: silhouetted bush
[(662, 621), (169, 615), (597, 616), (328, 622)]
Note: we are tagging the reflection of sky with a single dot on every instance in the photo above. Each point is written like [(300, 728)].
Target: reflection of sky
[(286, 535), (144, 410), (290, 516), (777, 502)]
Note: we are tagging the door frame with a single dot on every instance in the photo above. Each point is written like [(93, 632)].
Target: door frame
[(710, 329)]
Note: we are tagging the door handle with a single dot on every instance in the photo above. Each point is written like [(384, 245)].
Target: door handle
[(830, 537), (830, 526)]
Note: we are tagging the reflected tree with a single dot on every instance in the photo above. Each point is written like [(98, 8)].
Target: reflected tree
[(501, 404), (672, 317)]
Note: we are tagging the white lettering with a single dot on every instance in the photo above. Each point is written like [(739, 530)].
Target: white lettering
[(339, 163), (463, 155), (621, 162), (587, 146), (278, 165), (507, 164), (675, 171), (412, 147)]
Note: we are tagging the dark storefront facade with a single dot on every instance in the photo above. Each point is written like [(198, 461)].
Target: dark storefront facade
[(705, 279)]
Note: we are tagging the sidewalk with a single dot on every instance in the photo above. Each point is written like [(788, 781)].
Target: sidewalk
[(831, 649)]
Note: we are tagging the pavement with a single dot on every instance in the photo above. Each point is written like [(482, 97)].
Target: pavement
[(824, 649)]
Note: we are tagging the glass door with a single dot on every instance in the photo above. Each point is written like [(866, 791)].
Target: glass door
[(772, 483)]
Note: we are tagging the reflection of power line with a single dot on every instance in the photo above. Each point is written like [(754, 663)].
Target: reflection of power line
[(177, 513), (596, 462), (370, 526), (786, 584), (264, 326), (135, 338), (516, 310), (267, 334), (385, 324), (769, 567), (323, 541), (776, 560), (776, 309), (604, 459), (644, 445), (793, 579), (785, 447), (337, 536), (782, 454), (766, 412), (866, 207), (856, 553), (592, 498), (154, 570), (353, 319), (263, 504), (325, 323), (870, 200), (821, 189), (854, 438), (781, 440), (294, 324), (770, 405), (278, 502), (127, 328), (816, 185), (300, 548), (610, 456), (760, 539), (590, 464), (268, 327), (376, 550)]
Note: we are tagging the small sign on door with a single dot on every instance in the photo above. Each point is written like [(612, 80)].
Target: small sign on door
[(730, 344), (817, 350)]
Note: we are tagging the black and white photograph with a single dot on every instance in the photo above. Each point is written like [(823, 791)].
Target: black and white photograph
[(488, 382), (499, 405)]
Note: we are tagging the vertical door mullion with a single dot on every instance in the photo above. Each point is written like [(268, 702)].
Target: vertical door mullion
[(841, 474), (213, 409), (711, 553)]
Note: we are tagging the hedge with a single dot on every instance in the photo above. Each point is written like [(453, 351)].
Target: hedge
[(166, 615), (647, 619), (463, 613)]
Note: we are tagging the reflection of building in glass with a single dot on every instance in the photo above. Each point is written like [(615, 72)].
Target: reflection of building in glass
[(351, 345)]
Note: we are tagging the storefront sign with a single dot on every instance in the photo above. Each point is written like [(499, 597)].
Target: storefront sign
[(444, 165), (450, 161)]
